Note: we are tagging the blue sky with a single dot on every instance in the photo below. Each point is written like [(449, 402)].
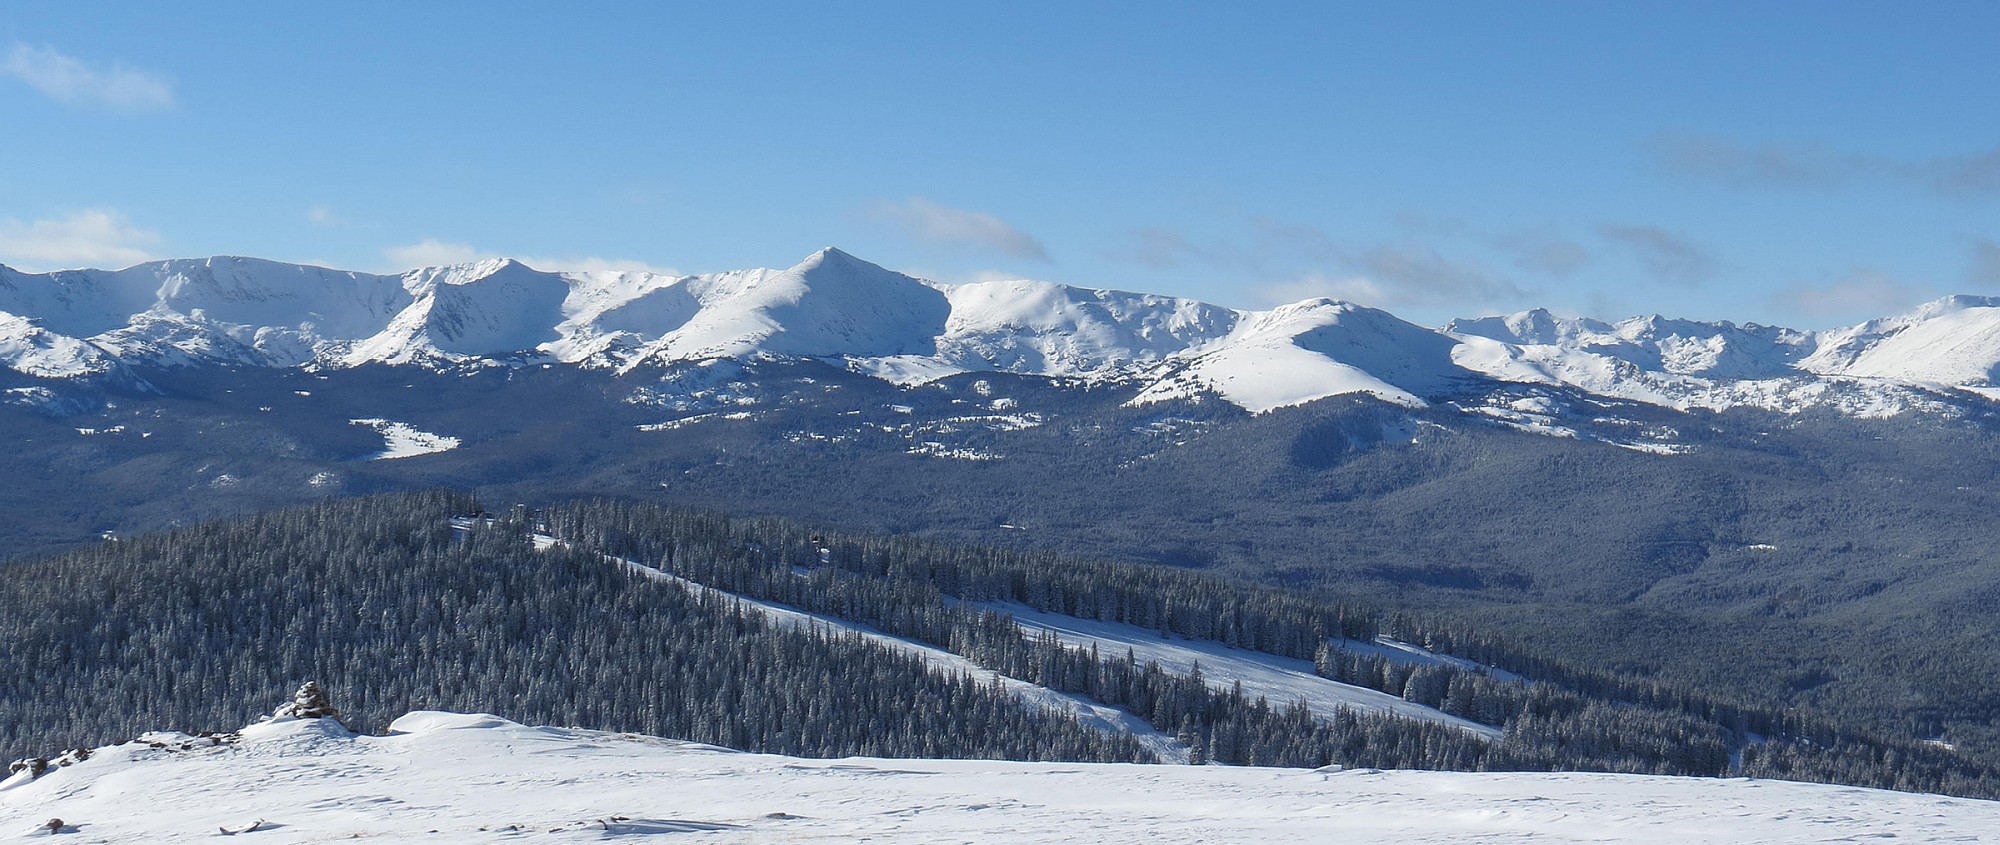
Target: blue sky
[(1807, 164)]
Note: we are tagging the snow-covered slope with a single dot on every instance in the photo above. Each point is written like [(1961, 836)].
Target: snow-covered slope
[(1279, 680), (1310, 350), (1953, 341), (1656, 360), (830, 305), (1038, 327), (242, 310), (485, 310), (451, 778), (33, 350), (835, 307)]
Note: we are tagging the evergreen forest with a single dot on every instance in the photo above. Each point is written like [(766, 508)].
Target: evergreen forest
[(392, 608)]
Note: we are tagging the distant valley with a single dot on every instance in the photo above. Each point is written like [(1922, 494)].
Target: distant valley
[(1794, 518)]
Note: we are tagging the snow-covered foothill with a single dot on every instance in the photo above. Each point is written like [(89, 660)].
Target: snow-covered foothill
[(475, 778)]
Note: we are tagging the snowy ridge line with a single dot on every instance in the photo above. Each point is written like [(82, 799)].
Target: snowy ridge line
[(837, 308), (477, 779), (1089, 713)]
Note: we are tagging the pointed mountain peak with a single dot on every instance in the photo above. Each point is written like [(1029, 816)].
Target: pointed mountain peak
[(468, 273), (830, 269), (491, 266), (1317, 304), (832, 258)]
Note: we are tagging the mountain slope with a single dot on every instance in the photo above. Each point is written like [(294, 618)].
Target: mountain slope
[(1953, 341), (835, 307), (1294, 354)]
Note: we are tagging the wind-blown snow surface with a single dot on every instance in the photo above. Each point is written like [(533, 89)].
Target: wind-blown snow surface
[(836, 307), (449, 778)]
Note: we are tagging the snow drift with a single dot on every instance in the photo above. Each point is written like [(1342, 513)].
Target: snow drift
[(478, 778)]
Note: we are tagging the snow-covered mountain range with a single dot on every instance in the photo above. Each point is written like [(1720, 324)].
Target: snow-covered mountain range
[(835, 307)]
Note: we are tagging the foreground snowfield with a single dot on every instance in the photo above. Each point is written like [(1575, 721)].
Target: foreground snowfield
[(449, 778)]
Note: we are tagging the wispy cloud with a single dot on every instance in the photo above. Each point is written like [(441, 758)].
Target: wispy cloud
[(1359, 289), (431, 252), (596, 264), (930, 223), (1985, 271), (1307, 262), (1973, 175), (1159, 249), (1421, 274), (1672, 258), (1270, 247), (1860, 295), (1399, 274), (89, 238), (1793, 164), (72, 81), (324, 218), (1760, 164), (1553, 255)]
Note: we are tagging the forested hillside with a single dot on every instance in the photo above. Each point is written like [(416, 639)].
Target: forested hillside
[(1810, 560), (205, 627), (382, 602)]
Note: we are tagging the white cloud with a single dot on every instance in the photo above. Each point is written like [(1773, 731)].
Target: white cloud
[(1771, 164), (70, 81), (1160, 249), (1552, 255), (1863, 294), (1672, 258), (1356, 289), (594, 264), (1800, 164), (928, 222), (92, 237), (1985, 272), (431, 252), (320, 216), (1972, 175)]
